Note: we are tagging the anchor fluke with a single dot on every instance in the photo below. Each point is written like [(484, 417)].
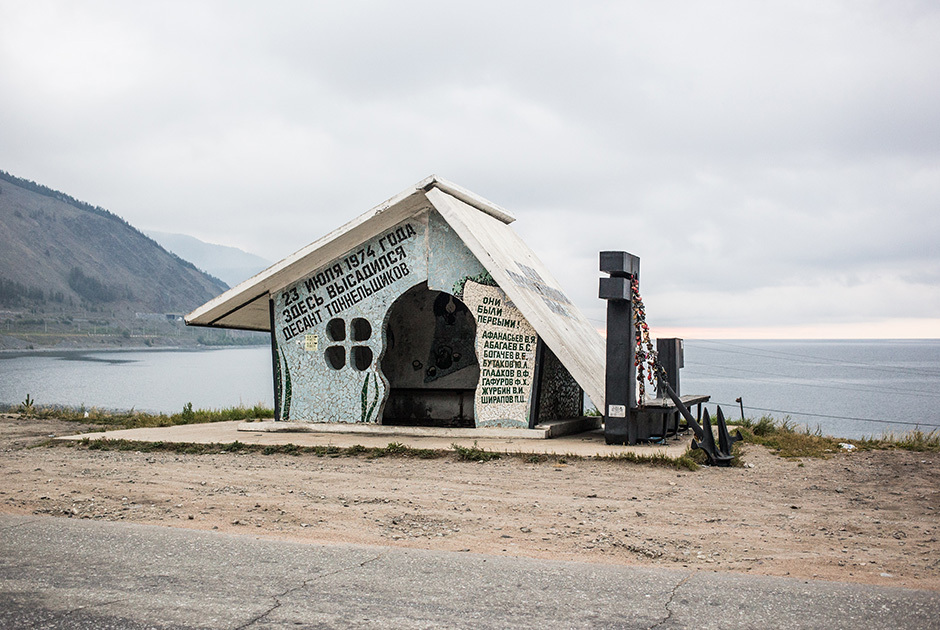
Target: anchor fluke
[(719, 455)]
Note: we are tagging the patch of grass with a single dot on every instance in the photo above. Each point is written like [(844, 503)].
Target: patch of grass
[(330, 450), (690, 460), (473, 453), (132, 419), (686, 461), (697, 455), (149, 447), (394, 449), (27, 407), (785, 438), (788, 440), (915, 440), (763, 427), (426, 453), (534, 458), (278, 449)]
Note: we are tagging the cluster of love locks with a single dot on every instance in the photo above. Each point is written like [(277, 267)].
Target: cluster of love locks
[(645, 362)]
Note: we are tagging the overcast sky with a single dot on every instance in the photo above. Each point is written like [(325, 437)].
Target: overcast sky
[(776, 165)]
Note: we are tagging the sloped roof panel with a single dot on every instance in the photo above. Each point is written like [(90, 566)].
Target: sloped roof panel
[(243, 306), (532, 288)]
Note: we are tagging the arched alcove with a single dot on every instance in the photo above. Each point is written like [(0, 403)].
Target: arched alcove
[(430, 360)]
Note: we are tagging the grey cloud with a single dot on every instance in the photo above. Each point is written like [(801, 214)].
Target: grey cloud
[(745, 151)]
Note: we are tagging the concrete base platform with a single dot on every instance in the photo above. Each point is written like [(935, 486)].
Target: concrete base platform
[(587, 444), (550, 429)]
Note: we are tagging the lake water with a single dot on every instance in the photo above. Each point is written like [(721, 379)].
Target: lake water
[(147, 380), (846, 388)]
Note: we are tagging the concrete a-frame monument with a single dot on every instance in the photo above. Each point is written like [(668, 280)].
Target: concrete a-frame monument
[(426, 310)]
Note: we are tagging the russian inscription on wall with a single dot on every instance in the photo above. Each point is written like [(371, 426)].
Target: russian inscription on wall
[(505, 345), (329, 327)]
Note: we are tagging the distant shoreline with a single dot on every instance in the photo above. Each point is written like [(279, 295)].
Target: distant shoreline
[(52, 350)]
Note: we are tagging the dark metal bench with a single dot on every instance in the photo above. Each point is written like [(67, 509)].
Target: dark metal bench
[(659, 417)]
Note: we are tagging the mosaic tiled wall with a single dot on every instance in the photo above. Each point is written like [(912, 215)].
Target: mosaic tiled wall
[(329, 327), (560, 396), (332, 329)]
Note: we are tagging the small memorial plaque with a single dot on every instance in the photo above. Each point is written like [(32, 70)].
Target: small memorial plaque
[(311, 343), (616, 411)]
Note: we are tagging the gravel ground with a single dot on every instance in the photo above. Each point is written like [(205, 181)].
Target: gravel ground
[(869, 517)]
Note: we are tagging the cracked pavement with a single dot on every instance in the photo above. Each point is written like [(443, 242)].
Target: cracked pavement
[(70, 573), (668, 605), (279, 597)]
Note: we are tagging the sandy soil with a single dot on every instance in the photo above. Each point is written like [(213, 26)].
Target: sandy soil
[(860, 517)]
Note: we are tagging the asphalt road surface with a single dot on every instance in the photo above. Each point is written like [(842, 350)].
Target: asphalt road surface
[(69, 573)]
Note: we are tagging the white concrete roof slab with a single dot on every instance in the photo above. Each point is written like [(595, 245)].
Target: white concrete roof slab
[(533, 289)]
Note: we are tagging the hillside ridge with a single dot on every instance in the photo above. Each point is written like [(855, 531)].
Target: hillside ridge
[(59, 253), (82, 205), (230, 264)]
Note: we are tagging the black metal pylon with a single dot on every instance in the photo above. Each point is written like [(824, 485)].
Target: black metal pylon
[(620, 379)]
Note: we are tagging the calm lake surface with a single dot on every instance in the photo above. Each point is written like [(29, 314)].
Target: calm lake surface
[(845, 388), (147, 380)]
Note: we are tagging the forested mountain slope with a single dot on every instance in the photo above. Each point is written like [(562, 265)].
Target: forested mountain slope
[(57, 252)]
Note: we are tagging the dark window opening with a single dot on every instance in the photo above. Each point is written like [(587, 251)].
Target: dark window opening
[(361, 329), (431, 367), (336, 357), (361, 357), (336, 330)]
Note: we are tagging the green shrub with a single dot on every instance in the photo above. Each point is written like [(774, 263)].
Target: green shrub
[(473, 453)]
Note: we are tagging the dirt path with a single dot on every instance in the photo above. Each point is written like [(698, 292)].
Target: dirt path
[(860, 517)]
